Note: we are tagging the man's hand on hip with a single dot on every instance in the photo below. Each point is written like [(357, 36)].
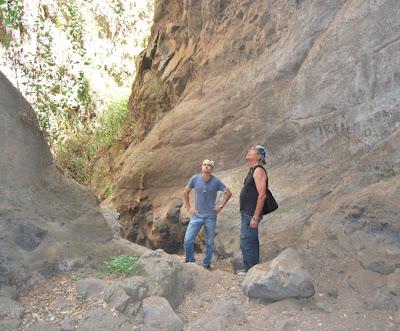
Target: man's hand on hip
[(193, 211)]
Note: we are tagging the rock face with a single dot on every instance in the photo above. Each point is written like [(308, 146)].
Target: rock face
[(284, 277), (316, 82), (48, 223)]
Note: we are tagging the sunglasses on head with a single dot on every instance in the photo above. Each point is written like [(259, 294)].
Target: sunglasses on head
[(259, 148)]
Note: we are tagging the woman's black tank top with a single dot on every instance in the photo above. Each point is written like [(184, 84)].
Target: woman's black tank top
[(249, 194)]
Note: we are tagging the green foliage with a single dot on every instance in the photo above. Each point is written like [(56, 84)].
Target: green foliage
[(108, 190), (83, 92), (10, 19), (106, 132), (121, 264), (77, 152), (53, 55), (75, 27), (104, 186), (60, 94), (58, 90)]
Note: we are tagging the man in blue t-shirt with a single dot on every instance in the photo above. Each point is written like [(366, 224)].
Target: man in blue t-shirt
[(205, 212)]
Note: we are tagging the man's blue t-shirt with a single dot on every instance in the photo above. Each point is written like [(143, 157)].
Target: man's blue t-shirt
[(206, 194)]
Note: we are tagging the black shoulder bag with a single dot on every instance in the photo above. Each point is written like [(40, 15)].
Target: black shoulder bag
[(270, 203)]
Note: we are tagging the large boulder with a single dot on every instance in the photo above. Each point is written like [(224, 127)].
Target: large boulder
[(157, 274), (48, 223), (283, 277), (168, 277)]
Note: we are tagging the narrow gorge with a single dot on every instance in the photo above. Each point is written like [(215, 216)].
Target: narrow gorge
[(317, 82)]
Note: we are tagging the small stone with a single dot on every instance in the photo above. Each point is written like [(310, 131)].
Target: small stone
[(117, 298), (381, 301), (222, 317), (100, 319), (44, 326), (90, 286), (9, 324), (323, 307), (158, 315), (10, 308), (68, 324), (393, 282), (237, 262), (8, 291)]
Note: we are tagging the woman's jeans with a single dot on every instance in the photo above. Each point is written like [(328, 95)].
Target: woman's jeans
[(249, 243), (194, 227)]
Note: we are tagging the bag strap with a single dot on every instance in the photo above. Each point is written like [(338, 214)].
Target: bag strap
[(259, 166)]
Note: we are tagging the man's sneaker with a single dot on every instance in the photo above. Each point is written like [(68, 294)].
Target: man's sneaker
[(241, 273), (207, 267)]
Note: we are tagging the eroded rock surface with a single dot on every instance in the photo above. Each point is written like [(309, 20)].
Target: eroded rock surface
[(314, 81)]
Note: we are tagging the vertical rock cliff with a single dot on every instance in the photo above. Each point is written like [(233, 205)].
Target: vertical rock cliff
[(316, 82)]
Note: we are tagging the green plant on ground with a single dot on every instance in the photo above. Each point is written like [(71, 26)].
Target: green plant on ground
[(121, 264)]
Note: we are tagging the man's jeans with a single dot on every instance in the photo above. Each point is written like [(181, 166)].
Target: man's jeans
[(192, 231), (249, 243)]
